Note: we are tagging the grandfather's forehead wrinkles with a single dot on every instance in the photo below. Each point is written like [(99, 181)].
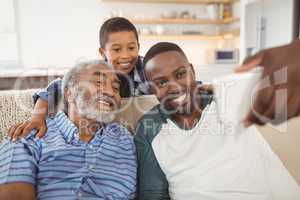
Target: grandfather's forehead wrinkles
[(99, 73), (105, 75)]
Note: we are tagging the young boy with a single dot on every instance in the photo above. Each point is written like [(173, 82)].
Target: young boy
[(119, 46), (185, 152)]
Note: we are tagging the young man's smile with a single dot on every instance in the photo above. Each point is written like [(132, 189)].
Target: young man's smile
[(173, 81)]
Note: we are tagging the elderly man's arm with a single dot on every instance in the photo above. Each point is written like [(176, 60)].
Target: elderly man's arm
[(18, 169), (17, 191)]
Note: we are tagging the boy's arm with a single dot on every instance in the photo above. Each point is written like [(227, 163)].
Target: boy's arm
[(46, 102), (36, 121), (152, 182), (52, 95)]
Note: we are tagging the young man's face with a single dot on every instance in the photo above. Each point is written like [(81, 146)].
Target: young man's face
[(172, 80), (121, 51)]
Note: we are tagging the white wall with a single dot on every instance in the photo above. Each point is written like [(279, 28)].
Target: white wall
[(277, 16), (279, 22), (8, 37), (59, 32)]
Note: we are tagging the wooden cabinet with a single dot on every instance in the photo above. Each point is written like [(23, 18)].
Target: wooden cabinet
[(26, 82), (176, 1), (185, 21), (223, 25)]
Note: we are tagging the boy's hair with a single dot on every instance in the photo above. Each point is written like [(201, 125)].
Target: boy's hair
[(162, 47), (113, 25)]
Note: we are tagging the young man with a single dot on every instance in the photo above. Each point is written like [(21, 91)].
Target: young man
[(83, 155), (185, 152)]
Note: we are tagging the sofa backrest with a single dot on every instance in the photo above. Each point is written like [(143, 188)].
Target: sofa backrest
[(16, 106)]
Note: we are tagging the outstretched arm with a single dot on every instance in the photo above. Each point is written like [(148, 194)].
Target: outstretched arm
[(278, 99)]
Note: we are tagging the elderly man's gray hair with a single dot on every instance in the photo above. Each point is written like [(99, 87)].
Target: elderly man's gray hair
[(71, 77)]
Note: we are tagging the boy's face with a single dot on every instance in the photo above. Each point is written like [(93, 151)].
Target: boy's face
[(172, 80), (121, 51)]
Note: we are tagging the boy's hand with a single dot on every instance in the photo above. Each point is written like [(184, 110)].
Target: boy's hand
[(281, 73), (23, 129)]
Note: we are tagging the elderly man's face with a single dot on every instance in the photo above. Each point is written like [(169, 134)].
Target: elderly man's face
[(97, 93)]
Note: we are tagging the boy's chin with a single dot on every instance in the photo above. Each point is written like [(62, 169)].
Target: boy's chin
[(125, 70)]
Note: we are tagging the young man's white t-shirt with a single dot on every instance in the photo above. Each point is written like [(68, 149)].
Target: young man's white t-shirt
[(221, 161)]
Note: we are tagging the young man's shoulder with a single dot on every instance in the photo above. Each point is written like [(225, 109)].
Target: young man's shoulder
[(150, 124)]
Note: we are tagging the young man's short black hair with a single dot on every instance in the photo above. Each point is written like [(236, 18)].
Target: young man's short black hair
[(161, 47), (113, 25)]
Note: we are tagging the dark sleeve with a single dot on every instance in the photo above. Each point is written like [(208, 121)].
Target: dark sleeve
[(143, 85), (52, 94), (152, 182)]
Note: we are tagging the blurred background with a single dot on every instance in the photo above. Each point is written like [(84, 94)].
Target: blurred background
[(39, 39)]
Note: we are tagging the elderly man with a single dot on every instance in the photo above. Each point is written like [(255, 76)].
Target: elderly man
[(83, 155)]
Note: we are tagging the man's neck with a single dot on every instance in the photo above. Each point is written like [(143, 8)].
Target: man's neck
[(187, 121), (87, 128)]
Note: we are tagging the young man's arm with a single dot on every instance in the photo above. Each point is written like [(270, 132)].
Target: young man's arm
[(281, 73), (18, 169), (152, 182)]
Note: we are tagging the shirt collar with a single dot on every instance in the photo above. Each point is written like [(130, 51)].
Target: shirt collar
[(68, 129)]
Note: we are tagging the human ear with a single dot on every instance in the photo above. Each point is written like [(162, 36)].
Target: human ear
[(102, 53), (192, 69), (69, 95), (138, 44)]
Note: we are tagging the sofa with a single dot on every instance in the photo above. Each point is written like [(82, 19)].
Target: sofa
[(16, 106)]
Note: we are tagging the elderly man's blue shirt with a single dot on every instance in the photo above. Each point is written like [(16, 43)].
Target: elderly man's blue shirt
[(63, 167)]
